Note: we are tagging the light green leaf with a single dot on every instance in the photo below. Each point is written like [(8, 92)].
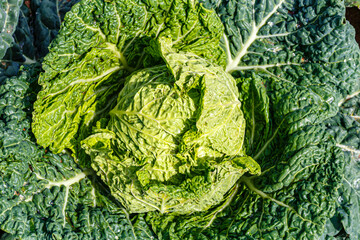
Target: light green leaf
[(306, 58), (100, 44), (291, 200), (174, 140), (352, 3), (46, 196)]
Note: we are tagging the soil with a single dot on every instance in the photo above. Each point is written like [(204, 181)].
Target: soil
[(353, 16)]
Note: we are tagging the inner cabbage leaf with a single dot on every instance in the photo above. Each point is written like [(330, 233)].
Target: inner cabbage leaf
[(99, 45), (174, 140)]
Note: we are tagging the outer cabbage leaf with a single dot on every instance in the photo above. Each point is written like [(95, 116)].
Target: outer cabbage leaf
[(100, 44), (39, 23), (298, 48), (174, 140), (9, 14), (351, 107), (291, 199), (346, 130), (44, 196), (306, 62), (52, 198)]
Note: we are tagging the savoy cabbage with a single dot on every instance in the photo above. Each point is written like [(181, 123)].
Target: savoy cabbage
[(155, 113), (174, 140)]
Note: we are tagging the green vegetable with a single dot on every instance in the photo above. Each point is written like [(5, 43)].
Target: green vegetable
[(29, 37), (9, 14), (83, 78), (47, 196), (39, 23), (346, 129), (130, 89), (352, 3), (174, 140)]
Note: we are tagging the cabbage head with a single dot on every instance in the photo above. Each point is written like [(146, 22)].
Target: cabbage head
[(174, 140)]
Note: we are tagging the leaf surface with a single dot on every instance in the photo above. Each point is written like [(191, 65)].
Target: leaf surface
[(100, 45), (43, 195), (9, 14)]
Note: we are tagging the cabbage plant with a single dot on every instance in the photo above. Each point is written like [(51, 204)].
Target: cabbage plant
[(174, 140), (179, 119)]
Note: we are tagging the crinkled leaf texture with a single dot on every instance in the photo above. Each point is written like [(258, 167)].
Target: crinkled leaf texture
[(9, 14), (345, 127), (174, 140), (100, 44), (291, 200), (47, 196), (296, 62), (30, 27), (39, 23)]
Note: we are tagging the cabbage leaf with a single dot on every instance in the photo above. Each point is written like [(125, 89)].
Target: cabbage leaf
[(100, 44), (9, 14), (295, 63), (345, 127), (48, 196), (174, 140)]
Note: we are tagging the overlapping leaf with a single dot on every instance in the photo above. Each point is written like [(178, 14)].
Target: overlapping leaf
[(306, 62), (46, 196), (9, 14), (174, 140), (102, 43), (352, 3), (292, 199), (296, 62), (297, 47), (346, 130), (39, 23)]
